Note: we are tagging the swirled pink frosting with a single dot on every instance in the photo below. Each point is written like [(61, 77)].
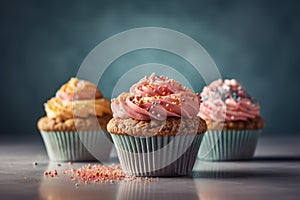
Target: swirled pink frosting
[(227, 101), (156, 97), (77, 89)]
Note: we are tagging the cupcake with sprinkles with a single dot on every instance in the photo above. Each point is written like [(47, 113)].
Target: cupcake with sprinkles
[(155, 128), (75, 123), (233, 121)]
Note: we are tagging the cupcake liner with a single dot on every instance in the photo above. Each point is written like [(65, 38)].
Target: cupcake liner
[(220, 145), (72, 146), (158, 155)]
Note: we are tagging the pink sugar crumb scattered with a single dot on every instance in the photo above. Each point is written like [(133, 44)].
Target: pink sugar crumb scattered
[(99, 174), (50, 173)]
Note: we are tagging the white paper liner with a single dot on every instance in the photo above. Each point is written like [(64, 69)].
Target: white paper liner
[(158, 155), (219, 145), (68, 146)]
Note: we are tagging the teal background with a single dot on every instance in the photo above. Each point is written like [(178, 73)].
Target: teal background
[(43, 44)]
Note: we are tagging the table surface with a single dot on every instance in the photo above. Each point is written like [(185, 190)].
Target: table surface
[(274, 173)]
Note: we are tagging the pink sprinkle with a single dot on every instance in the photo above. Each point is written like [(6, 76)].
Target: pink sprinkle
[(99, 174)]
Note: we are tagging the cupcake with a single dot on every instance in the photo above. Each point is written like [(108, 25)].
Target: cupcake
[(75, 123), (155, 128), (233, 122)]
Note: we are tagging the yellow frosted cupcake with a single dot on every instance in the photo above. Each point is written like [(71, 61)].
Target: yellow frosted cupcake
[(76, 117)]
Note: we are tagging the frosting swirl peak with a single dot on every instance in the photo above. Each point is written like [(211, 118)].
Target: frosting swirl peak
[(77, 89), (227, 100), (77, 98), (156, 97)]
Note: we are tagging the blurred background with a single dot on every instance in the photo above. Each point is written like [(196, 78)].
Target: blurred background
[(43, 44)]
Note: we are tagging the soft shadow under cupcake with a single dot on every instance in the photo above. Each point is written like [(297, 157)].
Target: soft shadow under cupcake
[(163, 188)]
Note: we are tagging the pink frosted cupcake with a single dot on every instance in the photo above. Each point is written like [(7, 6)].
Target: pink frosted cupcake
[(156, 129), (233, 122)]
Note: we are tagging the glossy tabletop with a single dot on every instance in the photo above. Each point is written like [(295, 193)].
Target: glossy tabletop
[(274, 173)]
